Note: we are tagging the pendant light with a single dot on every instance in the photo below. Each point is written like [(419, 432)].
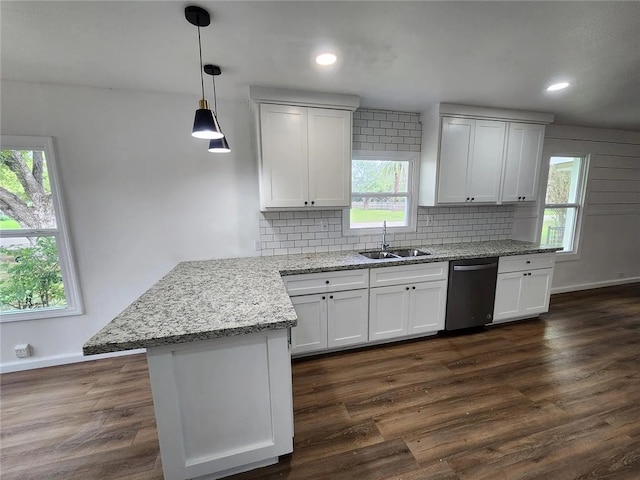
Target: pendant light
[(205, 124), (216, 145)]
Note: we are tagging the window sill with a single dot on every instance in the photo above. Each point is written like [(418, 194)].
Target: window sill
[(354, 232), (567, 256), (25, 316)]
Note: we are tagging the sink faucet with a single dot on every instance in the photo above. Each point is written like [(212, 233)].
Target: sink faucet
[(385, 245)]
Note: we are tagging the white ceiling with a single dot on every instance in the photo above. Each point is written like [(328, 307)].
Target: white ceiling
[(394, 55)]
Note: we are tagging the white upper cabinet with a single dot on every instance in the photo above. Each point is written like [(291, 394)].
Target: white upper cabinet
[(522, 162), (304, 148), (476, 155), (306, 156), (471, 153)]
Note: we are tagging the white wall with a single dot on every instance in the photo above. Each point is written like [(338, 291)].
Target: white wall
[(141, 195), (609, 252)]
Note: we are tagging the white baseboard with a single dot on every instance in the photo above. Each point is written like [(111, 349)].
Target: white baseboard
[(31, 363), (589, 286)]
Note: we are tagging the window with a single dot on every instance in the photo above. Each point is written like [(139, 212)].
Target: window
[(563, 203), (37, 278), (382, 189)]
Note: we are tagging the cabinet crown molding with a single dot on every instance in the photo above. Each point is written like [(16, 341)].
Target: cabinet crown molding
[(456, 110), (282, 96)]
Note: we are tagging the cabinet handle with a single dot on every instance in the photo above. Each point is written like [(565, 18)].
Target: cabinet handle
[(473, 198), (528, 262), (327, 282), (523, 198), (519, 198), (330, 296), (324, 298), (413, 288), (468, 199), (313, 202), (407, 288), (306, 203), (524, 274)]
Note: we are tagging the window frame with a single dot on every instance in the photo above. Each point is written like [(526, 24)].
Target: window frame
[(580, 205), (412, 190), (60, 233)]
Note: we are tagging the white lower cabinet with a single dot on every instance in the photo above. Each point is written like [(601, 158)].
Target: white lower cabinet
[(222, 406), (330, 320), (401, 310), (522, 294), (409, 307)]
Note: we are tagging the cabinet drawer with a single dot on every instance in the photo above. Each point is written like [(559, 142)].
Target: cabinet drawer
[(518, 263), (308, 283), (422, 272)]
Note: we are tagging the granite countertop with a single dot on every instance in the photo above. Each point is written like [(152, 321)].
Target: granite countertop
[(202, 300)]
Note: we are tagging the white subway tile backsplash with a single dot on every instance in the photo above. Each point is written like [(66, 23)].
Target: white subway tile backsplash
[(449, 225)]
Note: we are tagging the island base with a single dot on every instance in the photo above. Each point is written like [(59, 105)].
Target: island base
[(222, 406)]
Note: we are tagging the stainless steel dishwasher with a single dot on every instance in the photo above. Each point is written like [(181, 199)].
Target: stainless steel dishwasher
[(471, 292)]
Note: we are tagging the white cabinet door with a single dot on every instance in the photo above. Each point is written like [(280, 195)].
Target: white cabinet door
[(522, 162), (536, 292), (388, 311), (347, 317), (508, 295), (310, 333), (456, 144), (284, 165), (485, 166), (330, 142), (427, 306)]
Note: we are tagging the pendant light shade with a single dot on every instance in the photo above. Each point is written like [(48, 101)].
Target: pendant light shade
[(205, 124), (218, 145)]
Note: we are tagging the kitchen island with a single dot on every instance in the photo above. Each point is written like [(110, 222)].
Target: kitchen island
[(216, 334)]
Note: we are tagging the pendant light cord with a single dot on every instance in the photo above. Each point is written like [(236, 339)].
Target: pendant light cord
[(215, 97), (200, 50)]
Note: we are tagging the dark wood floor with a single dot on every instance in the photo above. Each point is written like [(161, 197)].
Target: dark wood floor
[(556, 398)]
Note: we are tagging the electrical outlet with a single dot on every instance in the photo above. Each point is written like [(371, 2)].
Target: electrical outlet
[(429, 220), (324, 225), (257, 245), (23, 350)]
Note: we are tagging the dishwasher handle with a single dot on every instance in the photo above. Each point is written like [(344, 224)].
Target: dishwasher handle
[(466, 268)]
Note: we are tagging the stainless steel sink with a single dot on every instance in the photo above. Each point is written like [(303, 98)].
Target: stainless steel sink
[(410, 252), (401, 253), (379, 254)]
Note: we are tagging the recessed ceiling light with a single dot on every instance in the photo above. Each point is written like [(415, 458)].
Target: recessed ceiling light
[(557, 86), (326, 59)]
